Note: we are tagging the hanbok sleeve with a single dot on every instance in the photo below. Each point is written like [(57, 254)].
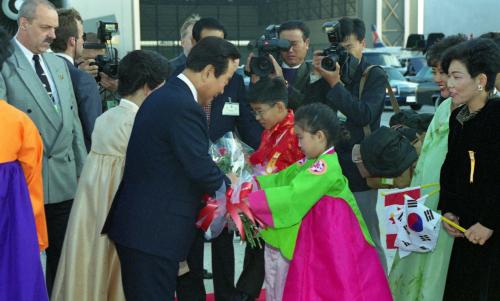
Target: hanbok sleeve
[(280, 178), (30, 156), (286, 205)]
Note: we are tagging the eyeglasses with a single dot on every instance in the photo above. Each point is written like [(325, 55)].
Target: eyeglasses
[(262, 112)]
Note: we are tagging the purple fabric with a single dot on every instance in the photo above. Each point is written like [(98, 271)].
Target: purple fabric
[(21, 275), (333, 260), (289, 74)]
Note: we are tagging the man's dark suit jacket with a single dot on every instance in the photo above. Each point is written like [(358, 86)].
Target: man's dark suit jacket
[(178, 62), (300, 86), (246, 125), (87, 98), (167, 170)]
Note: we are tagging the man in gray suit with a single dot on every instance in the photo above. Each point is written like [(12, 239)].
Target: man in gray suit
[(39, 84)]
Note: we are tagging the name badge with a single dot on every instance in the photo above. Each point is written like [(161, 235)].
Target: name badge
[(231, 108)]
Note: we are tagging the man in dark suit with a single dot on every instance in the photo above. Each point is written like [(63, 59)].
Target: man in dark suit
[(167, 170), (69, 45), (222, 119)]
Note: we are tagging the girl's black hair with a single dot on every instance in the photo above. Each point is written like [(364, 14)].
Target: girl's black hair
[(479, 56), (319, 117)]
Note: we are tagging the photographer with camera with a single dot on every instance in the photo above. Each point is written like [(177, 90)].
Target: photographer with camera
[(342, 67), (281, 53), (68, 45), (98, 63)]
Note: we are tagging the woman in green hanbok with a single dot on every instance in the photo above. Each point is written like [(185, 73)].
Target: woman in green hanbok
[(422, 276)]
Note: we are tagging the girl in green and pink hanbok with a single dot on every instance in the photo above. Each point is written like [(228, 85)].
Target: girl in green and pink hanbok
[(312, 218)]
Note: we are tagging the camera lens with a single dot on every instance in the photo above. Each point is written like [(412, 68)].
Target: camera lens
[(261, 66), (329, 63)]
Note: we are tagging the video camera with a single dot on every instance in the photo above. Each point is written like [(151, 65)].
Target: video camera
[(108, 63), (335, 53), (269, 43)]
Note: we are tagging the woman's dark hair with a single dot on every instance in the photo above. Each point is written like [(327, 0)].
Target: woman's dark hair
[(268, 91), (478, 56), (207, 23), (295, 24), (319, 117), (435, 52), (211, 51), (6, 49), (141, 67)]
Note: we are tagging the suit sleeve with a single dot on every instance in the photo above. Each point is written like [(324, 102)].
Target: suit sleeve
[(30, 156), (190, 143), (89, 103), (248, 127), (78, 144), (369, 107), (3, 89)]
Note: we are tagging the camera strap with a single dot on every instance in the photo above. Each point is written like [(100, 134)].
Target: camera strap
[(394, 103)]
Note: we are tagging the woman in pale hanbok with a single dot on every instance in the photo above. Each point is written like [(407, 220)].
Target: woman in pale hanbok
[(422, 276), (89, 269)]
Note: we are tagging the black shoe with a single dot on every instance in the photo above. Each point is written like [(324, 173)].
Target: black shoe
[(207, 274)]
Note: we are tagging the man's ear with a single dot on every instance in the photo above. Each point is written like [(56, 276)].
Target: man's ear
[(363, 43), (207, 72)]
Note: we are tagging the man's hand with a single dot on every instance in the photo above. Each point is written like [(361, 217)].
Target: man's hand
[(278, 71), (108, 83), (331, 77), (478, 234), (85, 65), (451, 230)]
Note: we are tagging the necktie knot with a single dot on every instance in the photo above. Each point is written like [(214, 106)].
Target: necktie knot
[(36, 58)]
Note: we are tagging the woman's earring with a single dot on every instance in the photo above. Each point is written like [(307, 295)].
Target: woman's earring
[(480, 88)]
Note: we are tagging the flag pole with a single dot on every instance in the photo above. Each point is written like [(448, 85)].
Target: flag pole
[(454, 225)]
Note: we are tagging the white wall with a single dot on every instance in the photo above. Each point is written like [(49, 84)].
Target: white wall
[(461, 16), (126, 13)]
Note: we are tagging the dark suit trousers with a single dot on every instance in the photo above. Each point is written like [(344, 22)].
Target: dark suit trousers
[(252, 276), (146, 276), (190, 286), (57, 216)]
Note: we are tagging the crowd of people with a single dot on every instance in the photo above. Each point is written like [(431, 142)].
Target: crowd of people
[(111, 198)]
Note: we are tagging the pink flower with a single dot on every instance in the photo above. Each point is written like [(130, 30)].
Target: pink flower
[(222, 151)]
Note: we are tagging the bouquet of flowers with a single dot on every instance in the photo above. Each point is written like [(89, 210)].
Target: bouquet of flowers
[(229, 205)]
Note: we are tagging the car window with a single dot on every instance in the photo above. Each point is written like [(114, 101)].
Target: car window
[(425, 73), (394, 74), (382, 59)]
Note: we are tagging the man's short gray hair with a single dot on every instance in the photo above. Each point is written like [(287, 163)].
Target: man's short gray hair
[(28, 8), (188, 22)]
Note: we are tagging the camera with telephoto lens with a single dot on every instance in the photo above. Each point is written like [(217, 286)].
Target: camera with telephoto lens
[(335, 53), (108, 63), (268, 44)]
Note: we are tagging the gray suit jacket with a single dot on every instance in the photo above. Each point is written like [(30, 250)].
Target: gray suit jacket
[(63, 147)]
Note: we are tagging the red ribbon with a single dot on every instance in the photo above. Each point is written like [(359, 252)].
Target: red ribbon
[(207, 214)]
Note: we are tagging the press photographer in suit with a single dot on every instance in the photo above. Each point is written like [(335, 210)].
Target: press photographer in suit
[(69, 46), (339, 89)]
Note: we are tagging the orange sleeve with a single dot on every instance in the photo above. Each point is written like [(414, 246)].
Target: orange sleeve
[(30, 156)]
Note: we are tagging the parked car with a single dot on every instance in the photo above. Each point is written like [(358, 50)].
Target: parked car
[(413, 64), (402, 88), (428, 91), (384, 59)]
